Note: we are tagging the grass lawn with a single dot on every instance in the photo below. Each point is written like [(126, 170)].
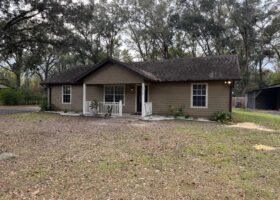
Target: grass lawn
[(86, 158), (264, 119)]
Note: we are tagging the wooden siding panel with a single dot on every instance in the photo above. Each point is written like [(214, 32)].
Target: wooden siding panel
[(113, 74), (164, 95), (94, 92), (76, 98)]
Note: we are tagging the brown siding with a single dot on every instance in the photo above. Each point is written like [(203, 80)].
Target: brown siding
[(94, 92), (76, 98), (113, 74), (164, 95)]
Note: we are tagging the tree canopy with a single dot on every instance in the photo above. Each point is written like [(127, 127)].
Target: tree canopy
[(38, 38)]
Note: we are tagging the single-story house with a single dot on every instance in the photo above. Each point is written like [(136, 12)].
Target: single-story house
[(200, 86), (267, 98)]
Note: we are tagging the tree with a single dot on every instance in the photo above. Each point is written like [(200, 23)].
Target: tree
[(23, 25), (125, 56), (149, 28)]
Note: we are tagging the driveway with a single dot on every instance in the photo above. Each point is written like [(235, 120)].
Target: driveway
[(273, 112), (4, 110)]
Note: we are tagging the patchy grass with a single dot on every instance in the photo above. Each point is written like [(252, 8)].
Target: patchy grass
[(86, 158), (263, 119)]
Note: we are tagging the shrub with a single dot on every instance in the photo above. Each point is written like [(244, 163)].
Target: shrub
[(44, 104), (223, 117), (187, 116), (20, 97), (12, 97), (177, 112)]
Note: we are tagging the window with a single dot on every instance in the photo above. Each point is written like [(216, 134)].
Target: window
[(66, 94), (199, 95), (114, 93)]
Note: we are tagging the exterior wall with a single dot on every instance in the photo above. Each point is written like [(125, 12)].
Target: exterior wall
[(94, 92), (97, 92), (113, 74), (164, 95), (76, 98)]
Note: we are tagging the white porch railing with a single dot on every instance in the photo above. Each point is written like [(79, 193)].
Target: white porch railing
[(148, 106), (103, 108)]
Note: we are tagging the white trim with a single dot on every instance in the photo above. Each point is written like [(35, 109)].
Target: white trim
[(63, 94), (114, 91), (136, 90), (143, 92), (206, 103)]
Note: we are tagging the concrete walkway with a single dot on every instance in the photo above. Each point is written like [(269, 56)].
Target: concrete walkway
[(4, 110)]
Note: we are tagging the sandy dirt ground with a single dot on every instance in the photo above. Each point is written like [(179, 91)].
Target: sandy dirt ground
[(60, 157)]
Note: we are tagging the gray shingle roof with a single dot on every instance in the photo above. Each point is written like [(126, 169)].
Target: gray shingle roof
[(68, 76), (178, 69), (193, 69)]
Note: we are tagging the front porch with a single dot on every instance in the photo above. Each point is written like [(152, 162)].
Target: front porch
[(116, 99)]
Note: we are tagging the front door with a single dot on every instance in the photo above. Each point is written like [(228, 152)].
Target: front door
[(139, 97)]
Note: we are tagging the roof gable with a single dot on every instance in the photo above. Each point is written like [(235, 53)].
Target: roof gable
[(111, 73), (140, 72)]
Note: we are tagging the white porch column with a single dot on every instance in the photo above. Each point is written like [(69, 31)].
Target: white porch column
[(120, 108), (143, 114), (84, 98)]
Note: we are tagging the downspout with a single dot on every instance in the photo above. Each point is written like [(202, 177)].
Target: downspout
[(230, 96), (49, 98)]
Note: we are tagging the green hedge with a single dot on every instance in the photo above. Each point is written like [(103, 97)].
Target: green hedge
[(19, 97)]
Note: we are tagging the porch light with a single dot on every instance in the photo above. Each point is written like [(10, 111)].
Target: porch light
[(227, 82), (132, 89)]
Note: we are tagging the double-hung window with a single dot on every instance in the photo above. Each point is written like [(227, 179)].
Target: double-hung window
[(199, 96), (66, 94), (113, 93)]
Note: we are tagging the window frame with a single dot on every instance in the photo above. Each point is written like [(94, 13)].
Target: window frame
[(104, 88), (62, 94), (206, 95)]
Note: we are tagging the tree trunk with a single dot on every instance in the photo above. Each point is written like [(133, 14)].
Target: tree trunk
[(261, 83), (18, 80)]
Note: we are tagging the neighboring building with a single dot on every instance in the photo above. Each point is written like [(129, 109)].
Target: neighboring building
[(201, 86), (267, 98)]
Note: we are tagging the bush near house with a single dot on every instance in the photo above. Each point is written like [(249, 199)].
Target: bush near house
[(223, 117), (177, 111)]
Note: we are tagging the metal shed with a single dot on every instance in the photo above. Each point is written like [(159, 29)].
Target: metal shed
[(267, 98)]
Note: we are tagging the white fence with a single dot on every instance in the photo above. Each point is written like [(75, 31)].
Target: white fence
[(104, 107), (148, 108)]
